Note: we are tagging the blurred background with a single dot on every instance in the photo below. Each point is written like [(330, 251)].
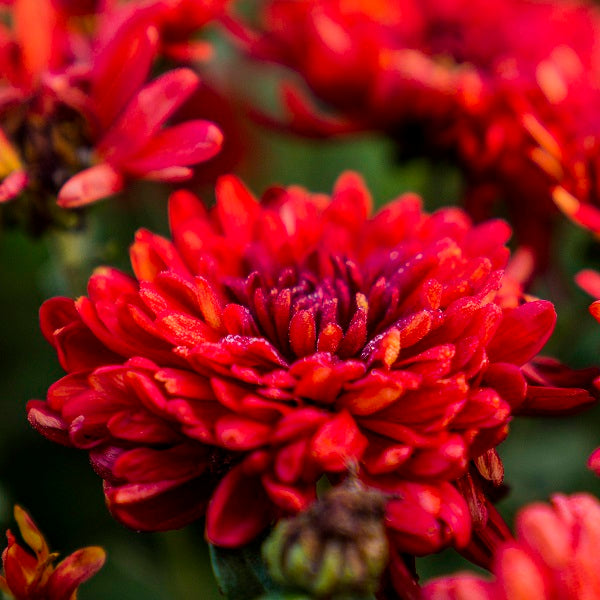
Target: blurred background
[(57, 485)]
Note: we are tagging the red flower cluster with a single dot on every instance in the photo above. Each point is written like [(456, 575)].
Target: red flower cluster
[(77, 110), (500, 92), (271, 343), (30, 576), (554, 556), (589, 281)]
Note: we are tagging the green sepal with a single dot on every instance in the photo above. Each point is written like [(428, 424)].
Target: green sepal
[(241, 573)]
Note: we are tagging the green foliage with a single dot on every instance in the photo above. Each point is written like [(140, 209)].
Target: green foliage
[(241, 573)]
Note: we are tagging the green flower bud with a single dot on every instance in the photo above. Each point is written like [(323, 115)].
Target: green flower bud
[(337, 546)]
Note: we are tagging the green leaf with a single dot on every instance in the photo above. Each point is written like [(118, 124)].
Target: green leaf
[(241, 573)]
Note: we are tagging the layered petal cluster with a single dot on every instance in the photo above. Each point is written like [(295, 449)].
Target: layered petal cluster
[(589, 281), (93, 119), (553, 556), (500, 93), (269, 344), (30, 573)]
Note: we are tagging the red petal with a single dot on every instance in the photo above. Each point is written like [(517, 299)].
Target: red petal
[(458, 587), (289, 462), (169, 174), (595, 310), (338, 442), (589, 281), (185, 144), (519, 573), (183, 330), (146, 113), (145, 465), (236, 209), (73, 571), (239, 433), (554, 401), (351, 201), (120, 68), (47, 422), (35, 29), (593, 462), (298, 424), (522, 333), (238, 510), (289, 498), (303, 333), (13, 185), (90, 185), (508, 380), (159, 506), (585, 214), (141, 427)]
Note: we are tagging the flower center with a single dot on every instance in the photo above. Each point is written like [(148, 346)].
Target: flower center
[(329, 304)]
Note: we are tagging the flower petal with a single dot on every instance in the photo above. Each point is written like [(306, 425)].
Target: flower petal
[(146, 113), (185, 144), (238, 511), (90, 185), (73, 571), (522, 333)]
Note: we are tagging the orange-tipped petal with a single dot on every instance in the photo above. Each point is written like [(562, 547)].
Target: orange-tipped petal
[(73, 571), (31, 534)]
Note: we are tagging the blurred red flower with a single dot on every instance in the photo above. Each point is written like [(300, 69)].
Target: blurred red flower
[(589, 281), (78, 112), (553, 556), (508, 95), (30, 573), (271, 343)]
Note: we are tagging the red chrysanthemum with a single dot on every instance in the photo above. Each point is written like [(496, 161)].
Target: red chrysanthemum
[(78, 111), (589, 281), (271, 343), (30, 574), (456, 80), (554, 556)]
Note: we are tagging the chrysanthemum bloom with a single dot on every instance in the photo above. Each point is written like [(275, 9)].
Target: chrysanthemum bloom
[(451, 80), (271, 343), (30, 573), (81, 116), (589, 281), (553, 556)]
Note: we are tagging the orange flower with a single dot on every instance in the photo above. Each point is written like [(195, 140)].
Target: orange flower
[(34, 576), (555, 555)]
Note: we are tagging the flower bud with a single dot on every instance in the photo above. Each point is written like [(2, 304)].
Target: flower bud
[(336, 546)]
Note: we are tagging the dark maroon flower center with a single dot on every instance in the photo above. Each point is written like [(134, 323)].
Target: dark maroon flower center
[(331, 304)]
